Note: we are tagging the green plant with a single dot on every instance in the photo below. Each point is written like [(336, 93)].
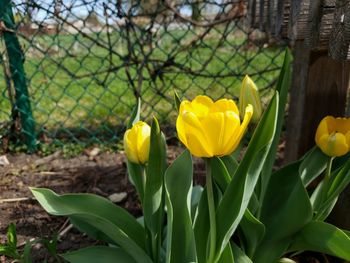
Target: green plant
[(10, 249), (268, 213)]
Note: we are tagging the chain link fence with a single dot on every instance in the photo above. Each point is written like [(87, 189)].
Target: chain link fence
[(85, 62)]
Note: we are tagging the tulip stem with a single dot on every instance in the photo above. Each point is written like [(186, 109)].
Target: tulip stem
[(211, 205)]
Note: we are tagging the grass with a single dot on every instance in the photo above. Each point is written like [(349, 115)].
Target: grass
[(63, 102)]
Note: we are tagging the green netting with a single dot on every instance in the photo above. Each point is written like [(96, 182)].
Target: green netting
[(86, 62)]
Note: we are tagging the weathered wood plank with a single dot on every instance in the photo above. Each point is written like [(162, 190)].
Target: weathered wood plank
[(323, 24), (339, 43)]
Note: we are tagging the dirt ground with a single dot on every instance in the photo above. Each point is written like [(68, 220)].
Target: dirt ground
[(92, 172)]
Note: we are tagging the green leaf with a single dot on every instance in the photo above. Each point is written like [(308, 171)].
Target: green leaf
[(313, 164), (286, 209), (282, 87), (26, 252), (136, 173), (11, 235), (220, 173), (195, 198), (135, 115), (253, 232), (227, 255), (238, 193), (153, 205), (323, 237), (106, 217), (239, 255), (201, 228), (99, 253), (178, 184), (339, 180), (230, 164), (177, 100), (9, 252), (89, 229)]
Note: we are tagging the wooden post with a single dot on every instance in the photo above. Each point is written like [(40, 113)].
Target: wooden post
[(319, 88)]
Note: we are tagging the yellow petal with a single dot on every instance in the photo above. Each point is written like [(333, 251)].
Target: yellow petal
[(232, 127), (224, 105), (213, 125), (196, 146), (347, 136), (143, 142), (334, 145), (181, 129), (130, 147), (201, 105), (322, 128), (236, 138), (342, 125), (193, 128)]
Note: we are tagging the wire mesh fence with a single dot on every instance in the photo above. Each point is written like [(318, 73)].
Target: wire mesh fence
[(85, 63)]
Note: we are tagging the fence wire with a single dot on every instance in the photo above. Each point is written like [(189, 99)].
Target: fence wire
[(87, 61)]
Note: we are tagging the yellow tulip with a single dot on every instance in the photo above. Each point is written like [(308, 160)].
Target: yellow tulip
[(210, 128), (333, 136), (136, 142), (250, 95)]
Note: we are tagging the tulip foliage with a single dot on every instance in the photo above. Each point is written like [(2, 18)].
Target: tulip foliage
[(245, 212)]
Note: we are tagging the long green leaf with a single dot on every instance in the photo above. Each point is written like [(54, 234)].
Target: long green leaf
[(240, 257), (136, 177), (313, 164), (238, 193), (220, 173), (135, 115), (227, 255), (100, 254), (178, 185), (322, 237), (201, 228), (112, 221), (282, 87), (153, 205), (286, 209), (253, 232), (339, 180)]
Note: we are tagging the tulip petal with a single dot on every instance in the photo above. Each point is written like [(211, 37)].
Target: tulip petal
[(213, 126), (129, 146), (193, 127), (143, 142), (237, 137), (342, 125), (224, 105), (196, 147), (323, 128), (232, 128), (201, 105), (334, 144)]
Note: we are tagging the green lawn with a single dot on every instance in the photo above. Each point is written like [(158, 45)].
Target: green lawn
[(67, 90)]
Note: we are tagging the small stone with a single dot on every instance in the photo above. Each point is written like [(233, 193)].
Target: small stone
[(117, 197), (4, 161)]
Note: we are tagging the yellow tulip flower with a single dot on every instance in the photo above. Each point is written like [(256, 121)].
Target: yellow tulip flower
[(250, 95), (137, 142), (210, 128), (333, 136)]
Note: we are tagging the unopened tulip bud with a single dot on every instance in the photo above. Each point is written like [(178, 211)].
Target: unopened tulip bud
[(137, 142), (250, 95)]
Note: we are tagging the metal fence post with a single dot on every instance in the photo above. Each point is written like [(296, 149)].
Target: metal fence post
[(16, 60)]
